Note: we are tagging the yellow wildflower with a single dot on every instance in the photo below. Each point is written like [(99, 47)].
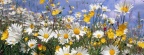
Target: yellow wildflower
[(86, 18), (55, 12), (110, 34), (5, 35), (41, 1)]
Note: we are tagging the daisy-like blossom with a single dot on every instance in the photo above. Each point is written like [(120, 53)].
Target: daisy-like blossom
[(84, 10), (63, 51), (112, 20), (34, 53), (77, 30), (45, 34), (104, 16), (12, 13), (15, 34), (78, 15), (5, 1), (32, 43), (94, 7), (110, 50), (30, 27), (80, 51), (57, 33), (46, 23), (69, 18), (65, 36), (105, 9), (21, 10), (126, 52), (23, 48), (98, 34), (123, 7)]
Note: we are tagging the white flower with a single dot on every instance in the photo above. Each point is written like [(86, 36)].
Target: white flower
[(79, 51), (84, 10), (30, 26), (126, 52), (23, 48), (57, 33), (21, 10), (110, 50), (6, 2), (65, 36), (12, 13), (63, 51), (104, 16), (98, 34), (77, 30), (94, 7), (15, 34), (32, 43), (112, 20), (78, 15), (33, 53), (123, 7), (46, 23), (45, 34), (104, 8), (11, 40), (68, 18)]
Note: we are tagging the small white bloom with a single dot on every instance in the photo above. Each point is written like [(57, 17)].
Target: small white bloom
[(84, 10), (112, 20), (63, 51), (79, 51), (32, 43), (77, 30), (45, 34), (78, 15), (98, 34), (110, 50), (105, 9), (94, 7)]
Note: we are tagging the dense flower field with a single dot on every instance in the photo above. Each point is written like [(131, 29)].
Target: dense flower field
[(88, 32)]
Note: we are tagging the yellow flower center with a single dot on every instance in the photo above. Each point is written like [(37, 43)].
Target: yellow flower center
[(125, 9), (57, 48), (35, 54), (26, 39), (112, 51), (58, 35), (69, 19), (98, 35), (78, 53), (35, 34), (46, 35), (76, 31), (31, 26), (66, 54), (45, 24), (68, 26), (31, 45), (66, 36)]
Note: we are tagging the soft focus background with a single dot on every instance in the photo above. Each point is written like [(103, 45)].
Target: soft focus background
[(132, 17)]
